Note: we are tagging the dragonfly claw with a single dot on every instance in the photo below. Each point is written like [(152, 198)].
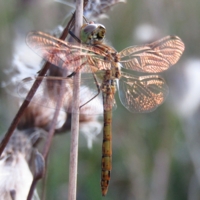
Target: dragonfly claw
[(72, 74)]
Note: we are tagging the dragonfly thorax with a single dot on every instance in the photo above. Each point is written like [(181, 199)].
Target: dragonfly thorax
[(92, 33), (112, 74)]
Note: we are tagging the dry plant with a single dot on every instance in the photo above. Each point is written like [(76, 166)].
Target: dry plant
[(15, 174), (20, 141)]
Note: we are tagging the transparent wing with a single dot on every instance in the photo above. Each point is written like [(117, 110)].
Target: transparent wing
[(68, 55), (51, 89), (154, 57), (142, 93)]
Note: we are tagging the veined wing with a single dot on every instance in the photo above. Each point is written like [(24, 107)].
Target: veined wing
[(51, 89), (154, 57), (68, 55), (142, 93)]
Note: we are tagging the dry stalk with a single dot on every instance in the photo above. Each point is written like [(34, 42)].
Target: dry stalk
[(75, 116)]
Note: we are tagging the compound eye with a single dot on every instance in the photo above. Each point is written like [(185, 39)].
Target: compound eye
[(102, 31)]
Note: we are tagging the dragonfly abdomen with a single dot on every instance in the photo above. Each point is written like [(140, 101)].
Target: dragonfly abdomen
[(106, 152)]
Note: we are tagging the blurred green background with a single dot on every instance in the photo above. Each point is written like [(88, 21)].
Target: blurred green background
[(156, 156)]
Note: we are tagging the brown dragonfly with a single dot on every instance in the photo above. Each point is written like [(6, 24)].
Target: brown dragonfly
[(112, 71)]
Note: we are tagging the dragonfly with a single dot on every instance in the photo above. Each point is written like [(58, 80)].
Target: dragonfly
[(111, 71)]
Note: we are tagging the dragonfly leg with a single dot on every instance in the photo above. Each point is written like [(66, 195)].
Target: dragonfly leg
[(74, 72), (76, 38), (98, 89), (85, 19)]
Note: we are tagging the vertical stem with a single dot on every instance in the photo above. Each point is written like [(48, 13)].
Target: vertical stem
[(75, 115)]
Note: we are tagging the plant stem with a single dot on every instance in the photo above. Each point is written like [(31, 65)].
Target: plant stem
[(75, 115)]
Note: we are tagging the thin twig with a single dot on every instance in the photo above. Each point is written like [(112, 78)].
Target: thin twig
[(75, 115), (39, 167), (21, 110), (51, 134)]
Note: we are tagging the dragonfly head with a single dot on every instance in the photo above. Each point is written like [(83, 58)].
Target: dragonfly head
[(92, 33)]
